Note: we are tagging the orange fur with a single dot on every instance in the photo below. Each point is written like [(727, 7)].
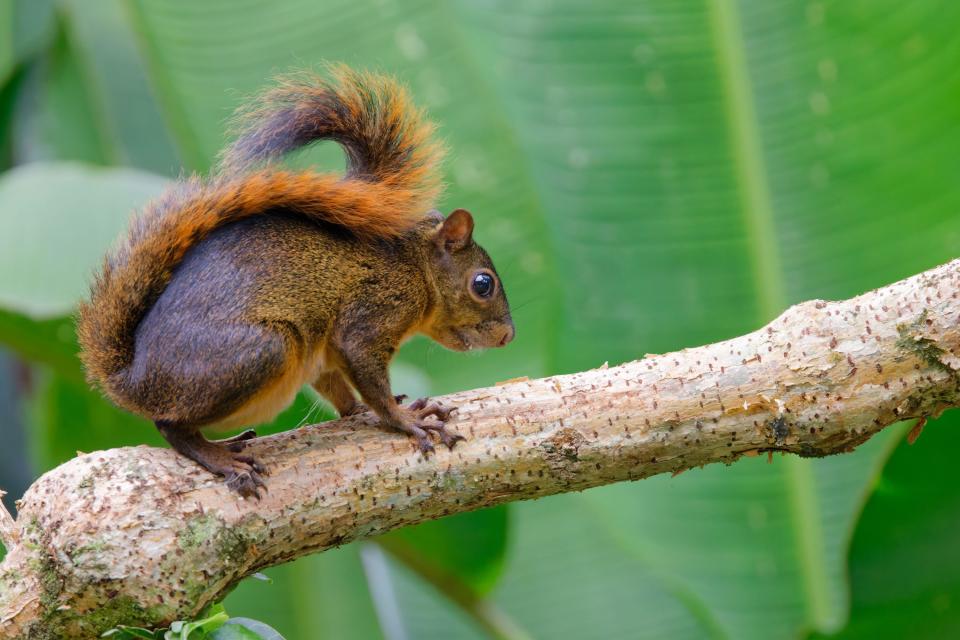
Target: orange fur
[(391, 182)]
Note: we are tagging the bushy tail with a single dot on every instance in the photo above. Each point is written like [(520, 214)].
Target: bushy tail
[(391, 182), (385, 137)]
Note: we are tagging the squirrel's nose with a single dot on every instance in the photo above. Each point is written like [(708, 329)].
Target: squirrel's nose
[(509, 331)]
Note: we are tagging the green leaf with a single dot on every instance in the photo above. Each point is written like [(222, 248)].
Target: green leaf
[(69, 213), (106, 56), (72, 214), (319, 596), (711, 536), (703, 166), (67, 417), (196, 629), (468, 548), (66, 125), (51, 342), (234, 632), (7, 51), (245, 629), (132, 633), (10, 94), (412, 608), (904, 564), (25, 27), (570, 575)]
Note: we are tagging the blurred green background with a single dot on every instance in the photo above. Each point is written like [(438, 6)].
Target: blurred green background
[(648, 175)]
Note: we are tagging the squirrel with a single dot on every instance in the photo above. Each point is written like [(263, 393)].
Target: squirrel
[(227, 295)]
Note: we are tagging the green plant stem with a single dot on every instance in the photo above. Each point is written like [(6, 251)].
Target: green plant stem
[(485, 613)]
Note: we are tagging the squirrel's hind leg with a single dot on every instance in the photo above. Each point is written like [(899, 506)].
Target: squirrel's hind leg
[(223, 458)]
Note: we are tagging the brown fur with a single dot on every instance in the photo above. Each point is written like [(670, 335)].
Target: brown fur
[(392, 179), (228, 295)]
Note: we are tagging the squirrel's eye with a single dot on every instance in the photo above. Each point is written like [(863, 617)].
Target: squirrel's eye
[(483, 284)]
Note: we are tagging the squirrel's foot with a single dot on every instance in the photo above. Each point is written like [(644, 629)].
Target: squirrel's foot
[(241, 472), (421, 409), (427, 407), (448, 438), (243, 476)]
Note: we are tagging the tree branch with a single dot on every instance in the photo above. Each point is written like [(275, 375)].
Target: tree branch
[(143, 536), (8, 528)]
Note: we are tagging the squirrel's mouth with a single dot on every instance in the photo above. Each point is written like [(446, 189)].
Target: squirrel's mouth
[(475, 338), (463, 340), (483, 337)]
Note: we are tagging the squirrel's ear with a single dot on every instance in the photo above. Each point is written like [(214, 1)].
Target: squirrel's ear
[(456, 231)]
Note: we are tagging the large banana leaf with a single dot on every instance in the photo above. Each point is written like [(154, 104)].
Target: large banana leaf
[(94, 103), (25, 27), (648, 176), (724, 159), (904, 558), (68, 214)]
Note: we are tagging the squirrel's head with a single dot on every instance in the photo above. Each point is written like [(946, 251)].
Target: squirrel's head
[(473, 312)]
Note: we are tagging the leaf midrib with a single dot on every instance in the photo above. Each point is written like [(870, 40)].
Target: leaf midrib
[(767, 272)]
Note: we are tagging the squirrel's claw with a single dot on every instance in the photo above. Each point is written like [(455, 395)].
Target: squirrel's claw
[(246, 483), (422, 408), (448, 438), (240, 471), (250, 460), (423, 442), (425, 407), (243, 475)]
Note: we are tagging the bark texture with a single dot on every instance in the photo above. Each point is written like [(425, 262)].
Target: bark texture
[(143, 536)]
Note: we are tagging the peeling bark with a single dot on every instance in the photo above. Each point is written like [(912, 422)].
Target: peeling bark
[(143, 536)]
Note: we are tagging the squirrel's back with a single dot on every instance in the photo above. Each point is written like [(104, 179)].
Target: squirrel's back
[(390, 183)]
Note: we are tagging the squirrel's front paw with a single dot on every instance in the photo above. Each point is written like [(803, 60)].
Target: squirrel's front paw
[(419, 410)]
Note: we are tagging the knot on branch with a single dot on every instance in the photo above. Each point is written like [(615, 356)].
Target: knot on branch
[(561, 449)]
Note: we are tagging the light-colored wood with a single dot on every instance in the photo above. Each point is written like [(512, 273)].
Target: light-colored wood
[(144, 536), (8, 528)]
